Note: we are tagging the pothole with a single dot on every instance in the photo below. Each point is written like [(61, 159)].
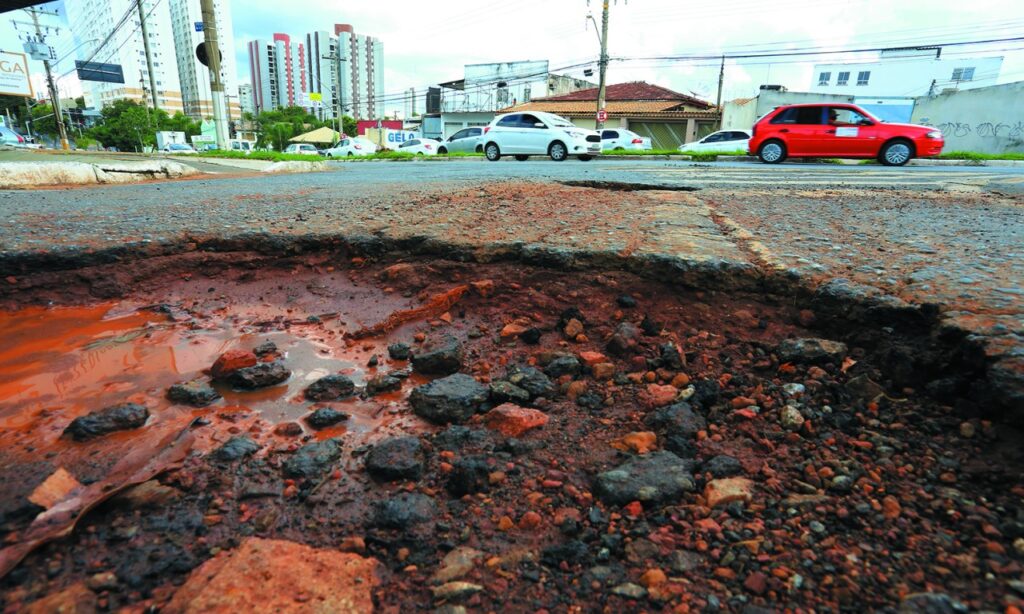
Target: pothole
[(622, 186), (605, 432)]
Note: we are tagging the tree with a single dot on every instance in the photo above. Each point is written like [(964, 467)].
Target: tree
[(127, 125), (349, 126), (43, 120)]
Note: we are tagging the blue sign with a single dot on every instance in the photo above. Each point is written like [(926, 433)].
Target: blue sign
[(95, 71), (199, 26), (395, 136)]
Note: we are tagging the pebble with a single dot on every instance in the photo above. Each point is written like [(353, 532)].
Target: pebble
[(727, 490), (630, 591), (791, 418)]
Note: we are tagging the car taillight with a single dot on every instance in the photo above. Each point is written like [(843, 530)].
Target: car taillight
[(637, 141), (428, 146), (486, 129), (358, 146)]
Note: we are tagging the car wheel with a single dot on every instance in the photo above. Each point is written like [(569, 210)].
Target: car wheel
[(585, 158), (896, 153), (557, 151), (772, 152), (479, 149), (492, 152), (441, 151), (350, 154), (620, 148)]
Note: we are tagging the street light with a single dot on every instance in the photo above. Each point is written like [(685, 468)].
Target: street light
[(68, 54)]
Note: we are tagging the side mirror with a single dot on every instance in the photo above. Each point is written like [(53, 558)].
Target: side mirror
[(866, 122)]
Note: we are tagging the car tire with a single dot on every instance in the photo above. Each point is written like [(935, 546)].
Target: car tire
[(772, 151), (442, 151), (479, 149), (558, 151), (896, 152), (620, 148), (585, 158), (522, 158), (492, 152), (350, 154)]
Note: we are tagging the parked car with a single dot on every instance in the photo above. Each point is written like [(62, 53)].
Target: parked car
[(420, 147), (467, 140), (351, 147), (301, 148), (718, 142), (537, 134), (839, 131), (618, 139), (10, 137), (178, 148)]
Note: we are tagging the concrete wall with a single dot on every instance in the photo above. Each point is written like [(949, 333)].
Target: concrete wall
[(742, 117), (986, 120)]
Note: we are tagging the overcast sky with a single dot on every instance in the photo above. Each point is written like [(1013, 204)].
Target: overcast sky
[(429, 42)]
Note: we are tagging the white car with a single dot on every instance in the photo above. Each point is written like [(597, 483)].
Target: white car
[(466, 140), (351, 147), (538, 134), (179, 148), (721, 141), (616, 139), (301, 148), (420, 147)]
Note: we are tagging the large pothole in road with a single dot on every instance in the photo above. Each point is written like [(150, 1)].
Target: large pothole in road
[(624, 186), (558, 439)]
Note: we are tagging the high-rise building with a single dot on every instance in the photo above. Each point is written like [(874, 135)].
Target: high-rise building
[(362, 86), (245, 98), (91, 21), (194, 78), (321, 47), (278, 72)]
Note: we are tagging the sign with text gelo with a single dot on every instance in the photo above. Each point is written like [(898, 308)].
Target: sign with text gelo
[(14, 79)]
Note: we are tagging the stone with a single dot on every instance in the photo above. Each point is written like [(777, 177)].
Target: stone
[(267, 347), (727, 490), (531, 336), (398, 458), (403, 511), (330, 388), (399, 351), (75, 599), (457, 564), (722, 466), (658, 477), (624, 340), (56, 488), (650, 327), (312, 460), (563, 365), (891, 507), (325, 417), (512, 420), (450, 399), (114, 418), (382, 384), (573, 328), (150, 493), (511, 331), (682, 561), (260, 376), (678, 419), (810, 350), (756, 582), (863, 388), (288, 429), (483, 287), (660, 395), (236, 448), (628, 590), (794, 390), (626, 301), (441, 358), (603, 371), (196, 393), (469, 475), (931, 603), (269, 575), (503, 391), (640, 442), (592, 358), (670, 356), (653, 577), (967, 430), (531, 380), (572, 552), (231, 361), (103, 581), (454, 591), (791, 418), (705, 394)]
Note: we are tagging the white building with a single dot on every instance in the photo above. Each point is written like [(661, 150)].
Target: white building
[(193, 76), (245, 98), (278, 73), (323, 71), (92, 20), (362, 81), (907, 72)]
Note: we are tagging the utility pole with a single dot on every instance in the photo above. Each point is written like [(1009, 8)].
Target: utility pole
[(718, 99), (216, 85), (149, 56), (602, 63), (337, 60), (51, 85)]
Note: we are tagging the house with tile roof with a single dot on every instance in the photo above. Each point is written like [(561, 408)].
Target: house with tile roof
[(667, 117)]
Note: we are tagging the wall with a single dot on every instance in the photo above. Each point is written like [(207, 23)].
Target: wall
[(906, 76), (453, 122), (742, 117), (987, 120)]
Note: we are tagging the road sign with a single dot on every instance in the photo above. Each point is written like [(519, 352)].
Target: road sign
[(95, 71), (602, 115), (199, 26), (14, 79), (204, 59)]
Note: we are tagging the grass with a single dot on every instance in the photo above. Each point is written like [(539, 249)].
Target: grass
[(974, 155), (273, 156)]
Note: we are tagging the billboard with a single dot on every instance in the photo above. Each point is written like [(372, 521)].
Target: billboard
[(14, 79), (95, 71)]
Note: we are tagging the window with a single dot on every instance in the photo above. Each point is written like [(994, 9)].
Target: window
[(528, 121), (738, 136), (609, 134), (716, 137), (963, 74), (824, 78), (799, 115), (509, 121), (863, 76), (843, 78), (461, 134), (843, 116)]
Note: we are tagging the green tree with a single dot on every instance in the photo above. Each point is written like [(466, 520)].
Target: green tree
[(349, 126), (127, 125), (43, 120)]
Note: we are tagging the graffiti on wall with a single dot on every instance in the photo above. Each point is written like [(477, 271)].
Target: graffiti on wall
[(983, 130)]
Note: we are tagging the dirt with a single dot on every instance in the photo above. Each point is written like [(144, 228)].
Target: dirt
[(870, 493)]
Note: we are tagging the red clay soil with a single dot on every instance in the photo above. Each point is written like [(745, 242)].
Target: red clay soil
[(852, 498)]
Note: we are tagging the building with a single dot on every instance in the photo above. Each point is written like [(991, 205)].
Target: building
[(323, 72), (485, 88), (186, 20), (278, 73), (91, 21), (668, 118), (362, 83), (741, 113), (245, 99), (887, 85)]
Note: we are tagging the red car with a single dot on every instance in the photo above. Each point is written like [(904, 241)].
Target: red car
[(839, 131)]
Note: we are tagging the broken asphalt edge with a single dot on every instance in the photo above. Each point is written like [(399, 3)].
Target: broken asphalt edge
[(20, 175), (993, 371)]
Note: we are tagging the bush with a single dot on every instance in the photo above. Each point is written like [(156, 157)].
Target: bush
[(977, 156), (273, 156)]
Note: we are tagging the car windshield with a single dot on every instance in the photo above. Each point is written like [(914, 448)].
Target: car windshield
[(561, 122)]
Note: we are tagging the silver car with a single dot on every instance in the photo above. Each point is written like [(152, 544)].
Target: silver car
[(466, 140)]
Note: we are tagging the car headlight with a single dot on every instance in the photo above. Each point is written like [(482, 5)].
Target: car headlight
[(934, 134)]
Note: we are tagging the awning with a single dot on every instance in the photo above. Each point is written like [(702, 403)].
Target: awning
[(320, 135)]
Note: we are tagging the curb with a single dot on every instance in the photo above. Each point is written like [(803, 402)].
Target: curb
[(34, 174)]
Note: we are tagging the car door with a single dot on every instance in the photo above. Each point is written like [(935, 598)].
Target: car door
[(534, 135), (609, 139), (734, 141), (410, 146), (457, 141), (851, 133), (505, 133), (802, 129), (474, 139), (710, 143)]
